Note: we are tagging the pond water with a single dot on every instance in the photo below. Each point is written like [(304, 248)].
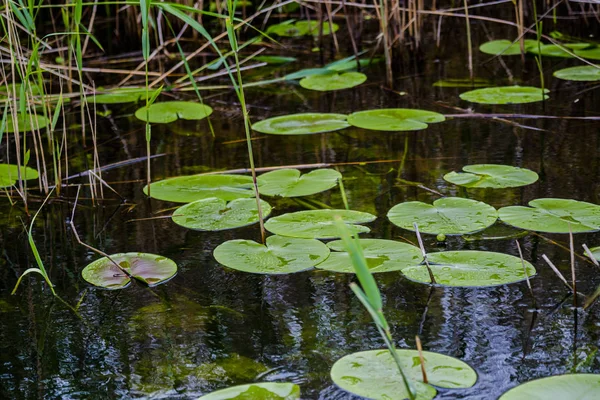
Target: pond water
[(211, 327)]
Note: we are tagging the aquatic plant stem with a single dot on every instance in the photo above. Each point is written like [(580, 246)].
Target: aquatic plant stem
[(431, 277), (556, 271), (573, 277), (469, 44), (421, 359), (525, 272)]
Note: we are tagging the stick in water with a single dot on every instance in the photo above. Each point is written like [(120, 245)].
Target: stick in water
[(431, 277)]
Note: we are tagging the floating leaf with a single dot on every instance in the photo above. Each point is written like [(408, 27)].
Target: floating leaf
[(553, 50), (303, 73), (333, 81), (170, 111), (506, 47), (394, 119), (348, 64), (275, 60), (587, 73), (592, 53), (263, 390), (302, 124), (559, 387), (26, 123), (374, 374), (9, 174), (318, 223), (448, 215), (214, 214), (185, 189), (313, 27), (289, 182), (505, 95), (123, 95), (381, 255), (148, 268), (462, 83), (300, 28), (281, 255), (492, 176), (553, 216), (470, 268)]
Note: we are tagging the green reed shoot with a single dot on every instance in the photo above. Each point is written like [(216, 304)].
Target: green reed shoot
[(370, 297)]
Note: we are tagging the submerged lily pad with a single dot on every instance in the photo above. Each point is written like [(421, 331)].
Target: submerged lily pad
[(506, 47), (470, 268), (505, 95), (492, 176), (123, 95), (553, 216), (26, 123), (214, 214), (281, 255), (289, 183), (333, 81), (448, 215), (381, 255), (586, 73), (148, 268), (185, 189), (302, 124), (374, 374), (318, 223), (170, 111), (559, 387), (9, 174), (262, 390), (394, 119)]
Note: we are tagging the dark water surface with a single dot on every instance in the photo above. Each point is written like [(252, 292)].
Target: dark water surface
[(211, 327)]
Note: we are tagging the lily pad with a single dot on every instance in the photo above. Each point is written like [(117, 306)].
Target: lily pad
[(505, 95), (492, 176), (394, 119), (553, 216), (302, 124), (170, 111), (448, 215), (466, 82), (26, 122), (148, 268), (586, 73), (592, 53), (123, 95), (374, 374), (300, 28), (289, 182), (275, 60), (281, 255), (318, 223), (185, 189), (552, 50), (559, 387), (214, 214), (263, 390), (470, 268), (9, 174), (333, 81), (506, 47), (381, 255)]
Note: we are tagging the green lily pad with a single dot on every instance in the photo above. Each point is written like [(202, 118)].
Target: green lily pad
[(592, 53), (462, 83), (170, 111), (281, 255), (552, 50), (586, 73), (381, 255), (374, 374), (275, 60), (123, 95), (148, 268), (505, 95), (185, 189), (394, 119), (492, 176), (9, 174), (559, 387), (313, 27), (263, 390), (506, 47), (300, 28), (302, 124), (27, 123), (289, 182), (448, 215), (333, 81), (553, 216), (470, 268), (214, 214), (318, 223)]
